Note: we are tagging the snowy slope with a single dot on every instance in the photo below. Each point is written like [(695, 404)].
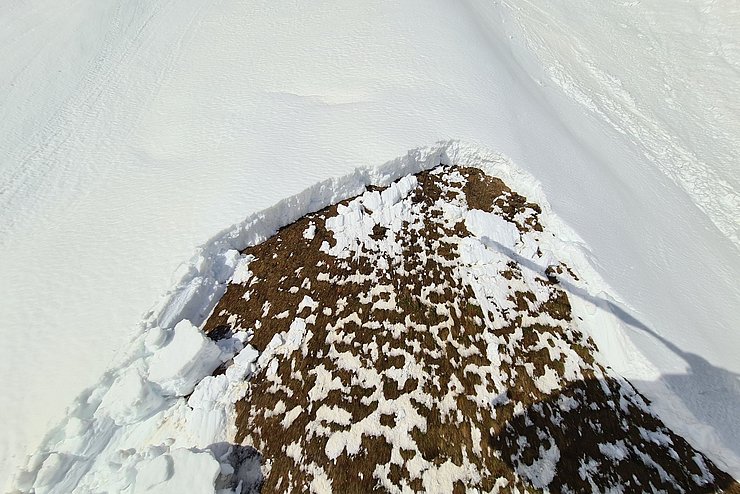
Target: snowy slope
[(133, 131), (667, 80)]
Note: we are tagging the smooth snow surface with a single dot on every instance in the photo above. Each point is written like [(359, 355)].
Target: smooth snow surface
[(133, 131)]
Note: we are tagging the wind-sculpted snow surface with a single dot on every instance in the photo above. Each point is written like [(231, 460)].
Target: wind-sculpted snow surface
[(419, 334)]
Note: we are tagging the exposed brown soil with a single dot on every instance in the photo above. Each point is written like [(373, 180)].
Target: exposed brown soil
[(399, 348)]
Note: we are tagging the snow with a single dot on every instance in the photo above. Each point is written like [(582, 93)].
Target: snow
[(491, 227), (543, 468), (243, 364), (132, 433), (133, 131), (184, 360), (668, 81), (131, 397), (162, 363), (180, 471)]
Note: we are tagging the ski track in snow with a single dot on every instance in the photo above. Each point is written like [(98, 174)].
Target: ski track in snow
[(132, 130)]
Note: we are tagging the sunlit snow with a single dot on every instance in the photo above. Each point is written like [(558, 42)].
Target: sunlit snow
[(133, 132)]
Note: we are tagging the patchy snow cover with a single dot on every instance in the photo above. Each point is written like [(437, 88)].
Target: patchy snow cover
[(471, 371), (117, 427), (543, 469)]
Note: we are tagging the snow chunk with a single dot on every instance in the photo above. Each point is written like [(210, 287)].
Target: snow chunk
[(492, 228), (307, 302), (242, 274), (548, 382), (131, 397), (442, 478), (321, 483), (616, 451), (185, 360), (295, 335), (291, 416), (542, 470), (180, 471)]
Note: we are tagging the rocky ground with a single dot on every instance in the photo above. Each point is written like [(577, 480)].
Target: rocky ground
[(418, 338)]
